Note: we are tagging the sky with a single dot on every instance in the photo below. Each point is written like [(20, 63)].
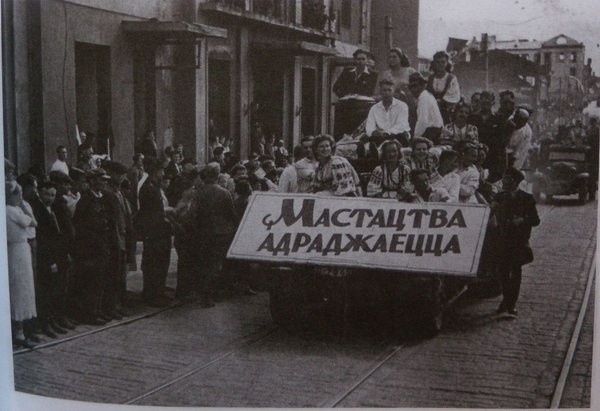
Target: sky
[(510, 19)]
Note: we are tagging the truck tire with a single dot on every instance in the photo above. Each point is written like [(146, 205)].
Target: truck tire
[(582, 195)]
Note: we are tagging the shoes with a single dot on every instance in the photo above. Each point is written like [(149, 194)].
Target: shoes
[(502, 308), (45, 329), (114, 314), (206, 302), (122, 312), (33, 338), (93, 320), (57, 328), (512, 312), (104, 317), (64, 323), (157, 302), (26, 343)]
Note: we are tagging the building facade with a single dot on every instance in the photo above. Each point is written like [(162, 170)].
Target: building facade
[(188, 71)]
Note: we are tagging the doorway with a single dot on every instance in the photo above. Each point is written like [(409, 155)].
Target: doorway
[(93, 94)]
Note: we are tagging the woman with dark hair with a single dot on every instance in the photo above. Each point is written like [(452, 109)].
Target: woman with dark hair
[(459, 129), (420, 157), (398, 72), (390, 179), (334, 175), (443, 84)]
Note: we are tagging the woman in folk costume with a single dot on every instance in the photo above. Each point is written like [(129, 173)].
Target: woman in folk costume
[(334, 174), (391, 179), (420, 157), (443, 84), (20, 269)]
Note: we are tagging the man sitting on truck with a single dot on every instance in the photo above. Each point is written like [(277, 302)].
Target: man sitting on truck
[(388, 118), (424, 192)]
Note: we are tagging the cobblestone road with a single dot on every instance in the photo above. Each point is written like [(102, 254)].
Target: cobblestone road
[(478, 360)]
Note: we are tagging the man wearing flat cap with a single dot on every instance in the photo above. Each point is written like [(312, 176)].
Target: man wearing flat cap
[(429, 120), (92, 222), (514, 215), (122, 235)]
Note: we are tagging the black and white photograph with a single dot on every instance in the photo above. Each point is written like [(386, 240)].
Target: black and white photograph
[(299, 204)]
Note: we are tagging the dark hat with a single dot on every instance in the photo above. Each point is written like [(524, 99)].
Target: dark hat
[(416, 78), (97, 173), (514, 174), (59, 177), (114, 167)]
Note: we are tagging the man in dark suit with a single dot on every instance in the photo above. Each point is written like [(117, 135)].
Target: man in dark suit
[(92, 221), (514, 216), (215, 227), (52, 260), (152, 225), (355, 81), (358, 79)]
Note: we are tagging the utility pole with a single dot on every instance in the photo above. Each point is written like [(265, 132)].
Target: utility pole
[(484, 49), (388, 32)]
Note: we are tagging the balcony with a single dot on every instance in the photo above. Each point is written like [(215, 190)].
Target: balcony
[(310, 19)]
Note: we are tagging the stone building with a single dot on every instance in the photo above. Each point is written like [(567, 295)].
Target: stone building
[(187, 70)]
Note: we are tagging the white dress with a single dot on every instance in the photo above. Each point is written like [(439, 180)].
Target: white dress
[(20, 271)]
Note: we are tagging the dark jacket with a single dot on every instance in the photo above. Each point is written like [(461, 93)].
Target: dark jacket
[(150, 219), (121, 221), (507, 208), (348, 83), (51, 245), (215, 215), (92, 221)]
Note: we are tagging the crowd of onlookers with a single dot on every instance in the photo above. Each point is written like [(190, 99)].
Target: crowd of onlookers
[(73, 229)]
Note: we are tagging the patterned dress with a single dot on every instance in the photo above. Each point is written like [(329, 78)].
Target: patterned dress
[(336, 177)]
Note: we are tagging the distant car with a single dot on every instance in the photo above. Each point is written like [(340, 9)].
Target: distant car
[(565, 170)]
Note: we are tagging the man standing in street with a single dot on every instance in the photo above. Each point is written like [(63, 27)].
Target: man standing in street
[(92, 221), (388, 118), (215, 227), (514, 216), (122, 230), (152, 225)]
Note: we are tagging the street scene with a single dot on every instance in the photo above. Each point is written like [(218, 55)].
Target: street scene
[(301, 203)]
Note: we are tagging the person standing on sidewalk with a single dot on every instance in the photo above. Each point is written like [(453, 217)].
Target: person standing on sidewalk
[(92, 221), (215, 227), (514, 215), (152, 225)]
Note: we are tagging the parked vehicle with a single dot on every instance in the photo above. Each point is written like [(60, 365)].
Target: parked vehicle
[(565, 170)]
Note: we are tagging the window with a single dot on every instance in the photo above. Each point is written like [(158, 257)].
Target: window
[(573, 57), (561, 56), (573, 71), (538, 58), (346, 13), (548, 59)]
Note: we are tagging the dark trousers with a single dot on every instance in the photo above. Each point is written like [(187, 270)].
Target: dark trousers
[(52, 294), (93, 274), (155, 265), (116, 282), (187, 266), (212, 254), (510, 276)]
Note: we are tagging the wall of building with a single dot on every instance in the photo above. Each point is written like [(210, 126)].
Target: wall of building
[(561, 69), (405, 32)]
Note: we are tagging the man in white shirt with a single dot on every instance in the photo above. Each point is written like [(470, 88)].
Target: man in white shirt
[(429, 119), (520, 140), (61, 162), (297, 177), (388, 118)]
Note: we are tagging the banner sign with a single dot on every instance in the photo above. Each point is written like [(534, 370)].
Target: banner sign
[(361, 232)]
